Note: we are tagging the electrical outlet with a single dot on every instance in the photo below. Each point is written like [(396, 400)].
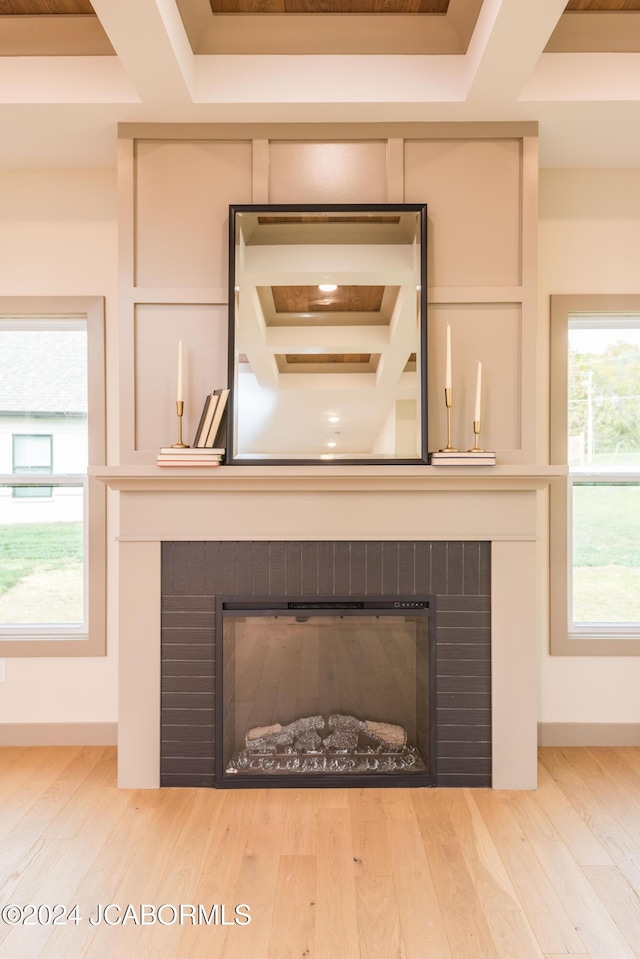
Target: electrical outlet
[(3, 670)]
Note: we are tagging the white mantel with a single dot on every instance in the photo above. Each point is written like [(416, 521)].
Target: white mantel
[(496, 504)]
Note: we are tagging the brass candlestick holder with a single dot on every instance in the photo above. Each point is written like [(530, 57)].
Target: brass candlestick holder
[(447, 399), (476, 448), (179, 445)]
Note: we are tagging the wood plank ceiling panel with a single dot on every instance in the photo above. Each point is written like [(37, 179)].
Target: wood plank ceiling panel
[(41, 8), (304, 359), (597, 6), (310, 299), (330, 6)]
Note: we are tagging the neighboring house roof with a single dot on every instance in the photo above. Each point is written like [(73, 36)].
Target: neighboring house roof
[(43, 371)]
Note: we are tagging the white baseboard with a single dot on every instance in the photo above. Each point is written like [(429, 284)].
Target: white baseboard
[(58, 734), (106, 734), (589, 734)]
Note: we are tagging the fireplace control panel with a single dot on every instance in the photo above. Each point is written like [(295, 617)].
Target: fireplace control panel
[(341, 607), (357, 604)]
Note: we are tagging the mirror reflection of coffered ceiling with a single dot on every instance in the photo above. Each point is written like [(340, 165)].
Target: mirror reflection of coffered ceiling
[(327, 327), (437, 27)]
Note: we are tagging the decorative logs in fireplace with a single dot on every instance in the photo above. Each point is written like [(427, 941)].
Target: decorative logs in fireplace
[(351, 745)]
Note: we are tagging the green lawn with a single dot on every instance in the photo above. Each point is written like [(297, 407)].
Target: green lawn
[(606, 557), (31, 548)]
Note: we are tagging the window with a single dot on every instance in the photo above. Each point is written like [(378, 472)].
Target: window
[(595, 516), (52, 515), (32, 453)]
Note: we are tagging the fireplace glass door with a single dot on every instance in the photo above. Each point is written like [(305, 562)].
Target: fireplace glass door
[(315, 692)]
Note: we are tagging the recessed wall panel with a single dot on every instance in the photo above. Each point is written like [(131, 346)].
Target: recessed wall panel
[(473, 192), (182, 194), (489, 333), (158, 330), (330, 172)]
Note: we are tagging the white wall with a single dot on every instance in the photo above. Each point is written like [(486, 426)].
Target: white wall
[(58, 236), (589, 243)]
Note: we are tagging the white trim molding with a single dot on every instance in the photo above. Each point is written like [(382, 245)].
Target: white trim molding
[(58, 734), (589, 734)]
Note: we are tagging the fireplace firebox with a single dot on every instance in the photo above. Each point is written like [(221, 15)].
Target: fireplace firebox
[(325, 692), (453, 577)]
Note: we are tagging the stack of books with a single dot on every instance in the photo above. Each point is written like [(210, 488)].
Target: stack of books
[(462, 458), (209, 443), (187, 456)]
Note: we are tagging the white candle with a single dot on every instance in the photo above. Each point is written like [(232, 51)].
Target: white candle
[(179, 393), (447, 377), (478, 392)]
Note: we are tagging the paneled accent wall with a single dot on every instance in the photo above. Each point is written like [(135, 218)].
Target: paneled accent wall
[(456, 574), (480, 184)]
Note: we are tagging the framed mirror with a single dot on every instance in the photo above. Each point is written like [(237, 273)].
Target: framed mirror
[(327, 334)]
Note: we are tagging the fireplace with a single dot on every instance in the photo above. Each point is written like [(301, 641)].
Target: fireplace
[(469, 539), (447, 627), (324, 691)]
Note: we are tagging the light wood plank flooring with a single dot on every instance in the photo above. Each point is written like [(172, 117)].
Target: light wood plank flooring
[(326, 873)]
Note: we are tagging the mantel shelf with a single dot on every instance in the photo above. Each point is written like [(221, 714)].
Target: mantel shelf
[(132, 479)]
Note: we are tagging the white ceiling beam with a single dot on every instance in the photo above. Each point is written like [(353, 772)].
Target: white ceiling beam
[(329, 79), (327, 339), (251, 339), (403, 342), (328, 381), (152, 45), (507, 43)]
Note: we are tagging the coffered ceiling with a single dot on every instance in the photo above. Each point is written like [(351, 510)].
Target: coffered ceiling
[(71, 70)]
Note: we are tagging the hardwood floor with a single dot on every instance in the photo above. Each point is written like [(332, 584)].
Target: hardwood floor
[(326, 873)]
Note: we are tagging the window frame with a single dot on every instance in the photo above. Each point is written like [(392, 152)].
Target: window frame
[(26, 642), (564, 638)]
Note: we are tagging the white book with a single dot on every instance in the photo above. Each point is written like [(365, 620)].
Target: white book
[(222, 397), (462, 458), (188, 460), (194, 463), (208, 411)]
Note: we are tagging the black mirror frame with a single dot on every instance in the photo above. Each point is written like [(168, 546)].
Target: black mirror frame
[(420, 208)]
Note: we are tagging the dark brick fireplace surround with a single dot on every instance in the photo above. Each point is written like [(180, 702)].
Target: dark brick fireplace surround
[(455, 574)]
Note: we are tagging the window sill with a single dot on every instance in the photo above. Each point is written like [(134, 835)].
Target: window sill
[(596, 644), (27, 647)]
